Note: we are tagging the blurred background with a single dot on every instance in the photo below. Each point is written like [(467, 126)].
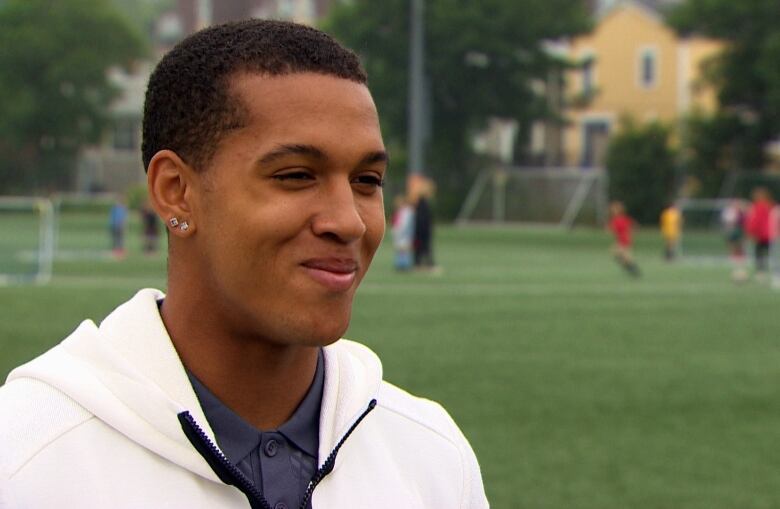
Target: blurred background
[(596, 356)]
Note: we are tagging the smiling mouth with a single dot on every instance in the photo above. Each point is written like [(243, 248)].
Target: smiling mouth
[(335, 274)]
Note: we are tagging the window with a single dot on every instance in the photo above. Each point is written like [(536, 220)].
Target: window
[(648, 72), (596, 137), (588, 79)]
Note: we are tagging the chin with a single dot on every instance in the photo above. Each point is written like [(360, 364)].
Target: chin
[(307, 336), (325, 341), (328, 329), (330, 335)]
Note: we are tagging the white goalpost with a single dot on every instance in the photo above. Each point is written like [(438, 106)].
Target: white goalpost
[(562, 197), (26, 240)]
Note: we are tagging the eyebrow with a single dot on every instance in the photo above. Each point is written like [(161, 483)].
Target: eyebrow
[(379, 156), (294, 149)]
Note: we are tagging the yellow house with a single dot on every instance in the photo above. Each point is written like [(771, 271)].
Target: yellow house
[(634, 65)]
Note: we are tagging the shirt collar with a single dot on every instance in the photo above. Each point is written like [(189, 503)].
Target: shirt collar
[(237, 438), (303, 427)]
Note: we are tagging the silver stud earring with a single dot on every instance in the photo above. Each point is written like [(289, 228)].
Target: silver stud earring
[(174, 222), (184, 226)]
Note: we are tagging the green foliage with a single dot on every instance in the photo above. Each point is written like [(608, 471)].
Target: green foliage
[(641, 168), (54, 90), (746, 75), (711, 150), (481, 61)]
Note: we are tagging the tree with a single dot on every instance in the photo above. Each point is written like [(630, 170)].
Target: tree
[(483, 59), (54, 90), (641, 167), (746, 74), (711, 150)]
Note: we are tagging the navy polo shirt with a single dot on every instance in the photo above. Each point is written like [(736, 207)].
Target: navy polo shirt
[(280, 462)]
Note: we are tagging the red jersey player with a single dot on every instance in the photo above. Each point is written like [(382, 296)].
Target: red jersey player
[(621, 224), (761, 226)]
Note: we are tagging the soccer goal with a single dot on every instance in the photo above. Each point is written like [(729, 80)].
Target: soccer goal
[(81, 226), (26, 240), (563, 197), (703, 238)]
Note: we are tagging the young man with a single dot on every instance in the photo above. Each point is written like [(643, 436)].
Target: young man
[(265, 160)]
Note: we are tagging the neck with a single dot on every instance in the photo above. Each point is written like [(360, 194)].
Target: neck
[(261, 381)]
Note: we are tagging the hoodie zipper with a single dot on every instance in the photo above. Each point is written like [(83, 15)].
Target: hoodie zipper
[(225, 470), (230, 474), (327, 466)]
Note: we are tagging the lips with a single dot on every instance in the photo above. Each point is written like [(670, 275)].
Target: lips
[(336, 274)]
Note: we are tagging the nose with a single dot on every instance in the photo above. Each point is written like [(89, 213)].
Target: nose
[(338, 216)]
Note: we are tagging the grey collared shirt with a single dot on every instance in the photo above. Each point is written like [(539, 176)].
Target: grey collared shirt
[(280, 462)]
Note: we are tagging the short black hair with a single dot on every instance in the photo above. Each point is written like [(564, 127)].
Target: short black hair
[(189, 107)]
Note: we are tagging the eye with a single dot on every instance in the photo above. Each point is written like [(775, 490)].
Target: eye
[(293, 176), (294, 179), (369, 180)]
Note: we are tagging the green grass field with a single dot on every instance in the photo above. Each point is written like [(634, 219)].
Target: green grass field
[(577, 386)]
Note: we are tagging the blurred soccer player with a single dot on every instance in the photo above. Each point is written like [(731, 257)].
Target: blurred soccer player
[(762, 228), (621, 226), (403, 232), (671, 227), (423, 225), (732, 220), (117, 225), (266, 163)]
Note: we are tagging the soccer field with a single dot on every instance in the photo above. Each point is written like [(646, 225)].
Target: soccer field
[(577, 386)]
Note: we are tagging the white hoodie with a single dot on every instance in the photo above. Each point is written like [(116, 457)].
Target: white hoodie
[(93, 423)]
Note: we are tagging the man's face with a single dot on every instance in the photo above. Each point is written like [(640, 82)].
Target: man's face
[(289, 211)]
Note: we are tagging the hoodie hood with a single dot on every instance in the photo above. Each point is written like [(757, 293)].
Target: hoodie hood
[(128, 374)]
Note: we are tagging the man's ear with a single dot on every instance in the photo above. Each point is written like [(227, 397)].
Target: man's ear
[(170, 182)]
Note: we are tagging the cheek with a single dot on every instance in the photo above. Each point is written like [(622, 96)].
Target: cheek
[(374, 218), (249, 236)]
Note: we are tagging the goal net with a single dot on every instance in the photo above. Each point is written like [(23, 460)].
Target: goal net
[(26, 240), (704, 232), (562, 197), (81, 226)]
